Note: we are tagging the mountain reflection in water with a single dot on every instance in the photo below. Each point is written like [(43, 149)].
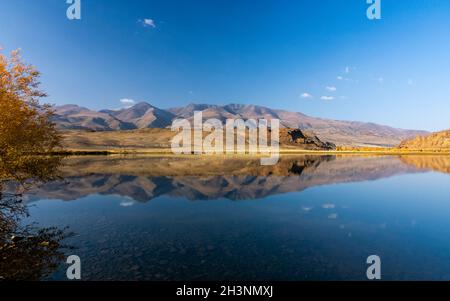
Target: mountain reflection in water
[(315, 218), (145, 178)]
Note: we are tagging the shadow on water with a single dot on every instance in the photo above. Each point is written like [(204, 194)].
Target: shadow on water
[(27, 251)]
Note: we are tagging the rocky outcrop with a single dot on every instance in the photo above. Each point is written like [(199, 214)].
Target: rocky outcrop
[(302, 139)]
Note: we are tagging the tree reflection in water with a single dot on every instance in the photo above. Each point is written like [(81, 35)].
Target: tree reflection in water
[(27, 252)]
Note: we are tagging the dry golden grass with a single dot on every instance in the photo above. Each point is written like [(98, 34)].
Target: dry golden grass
[(158, 141)]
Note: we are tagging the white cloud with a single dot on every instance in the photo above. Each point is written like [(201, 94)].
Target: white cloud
[(148, 23), (380, 80), (340, 78), (127, 102), (306, 95), (331, 88), (327, 98), (347, 70)]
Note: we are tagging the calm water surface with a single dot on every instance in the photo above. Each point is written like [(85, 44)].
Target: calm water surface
[(308, 218)]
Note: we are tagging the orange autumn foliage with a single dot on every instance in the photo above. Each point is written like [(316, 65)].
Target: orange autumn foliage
[(25, 125), (26, 129)]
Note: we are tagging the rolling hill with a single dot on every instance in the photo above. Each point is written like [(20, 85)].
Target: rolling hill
[(434, 141)]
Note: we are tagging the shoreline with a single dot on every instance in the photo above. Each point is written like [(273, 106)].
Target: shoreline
[(169, 153)]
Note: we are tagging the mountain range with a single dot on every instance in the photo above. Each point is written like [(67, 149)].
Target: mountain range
[(144, 115)]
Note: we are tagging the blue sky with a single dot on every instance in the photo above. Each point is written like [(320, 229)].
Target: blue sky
[(394, 71)]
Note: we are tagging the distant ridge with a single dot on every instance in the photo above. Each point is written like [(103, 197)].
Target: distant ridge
[(144, 115)]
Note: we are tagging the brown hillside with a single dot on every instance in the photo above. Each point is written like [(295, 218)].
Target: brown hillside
[(435, 141)]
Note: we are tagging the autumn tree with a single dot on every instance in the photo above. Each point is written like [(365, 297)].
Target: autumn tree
[(27, 139), (26, 126)]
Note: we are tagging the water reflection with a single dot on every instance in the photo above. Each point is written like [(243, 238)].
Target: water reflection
[(429, 162), (145, 178), (316, 217), (27, 251)]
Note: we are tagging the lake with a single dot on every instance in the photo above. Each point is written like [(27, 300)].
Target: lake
[(214, 218)]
